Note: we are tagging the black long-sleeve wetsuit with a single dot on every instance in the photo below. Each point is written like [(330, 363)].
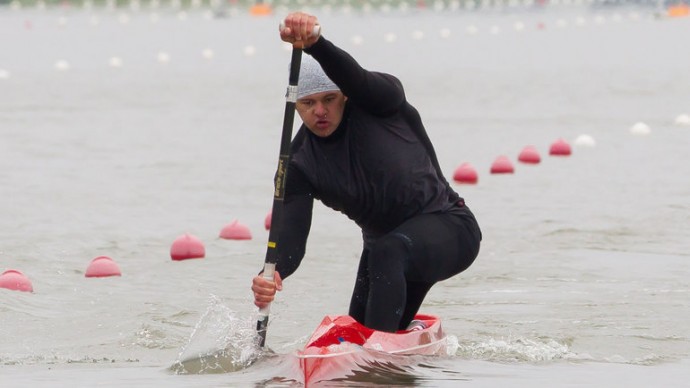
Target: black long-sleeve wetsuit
[(380, 169)]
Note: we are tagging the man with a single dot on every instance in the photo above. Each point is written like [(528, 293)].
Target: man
[(362, 150)]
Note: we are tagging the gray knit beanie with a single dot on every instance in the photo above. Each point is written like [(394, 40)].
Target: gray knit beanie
[(312, 79)]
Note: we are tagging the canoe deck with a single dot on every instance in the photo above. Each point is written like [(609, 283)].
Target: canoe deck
[(340, 345)]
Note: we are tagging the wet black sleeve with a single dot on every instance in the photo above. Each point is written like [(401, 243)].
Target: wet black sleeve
[(297, 212), (380, 94)]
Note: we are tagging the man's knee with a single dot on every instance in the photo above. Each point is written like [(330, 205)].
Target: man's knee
[(390, 252)]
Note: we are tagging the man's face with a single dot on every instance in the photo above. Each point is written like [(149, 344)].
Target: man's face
[(322, 112)]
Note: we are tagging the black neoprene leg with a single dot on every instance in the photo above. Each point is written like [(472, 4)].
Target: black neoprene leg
[(387, 284), (404, 264), (360, 294), (416, 291)]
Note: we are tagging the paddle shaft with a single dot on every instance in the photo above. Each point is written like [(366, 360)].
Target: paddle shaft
[(279, 191)]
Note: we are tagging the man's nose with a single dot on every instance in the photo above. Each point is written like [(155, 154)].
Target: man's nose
[(319, 109)]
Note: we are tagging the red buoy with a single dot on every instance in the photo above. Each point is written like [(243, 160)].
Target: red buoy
[(236, 231), (267, 220), (466, 173), (16, 281), (102, 266), (529, 155), (502, 165), (187, 247), (560, 148)]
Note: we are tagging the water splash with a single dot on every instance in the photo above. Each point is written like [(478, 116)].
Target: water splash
[(452, 345), (220, 343), (516, 349)]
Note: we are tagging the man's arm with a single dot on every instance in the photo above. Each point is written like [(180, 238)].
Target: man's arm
[(378, 93), (297, 213)]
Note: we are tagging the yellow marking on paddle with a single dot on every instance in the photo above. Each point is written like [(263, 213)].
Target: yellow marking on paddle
[(271, 244)]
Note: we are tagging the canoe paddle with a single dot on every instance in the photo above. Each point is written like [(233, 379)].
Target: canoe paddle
[(281, 174)]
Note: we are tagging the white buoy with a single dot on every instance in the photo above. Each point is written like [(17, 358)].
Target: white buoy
[(495, 30), (62, 65), (444, 33), (208, 53), (4, 74), (123, 18), (249, 51), (115, 62), (357, 40), (640, 129), (472, 30), (585, 141), (163, 57), (683, 119), (417, 35), (519, 26), (390, 37)]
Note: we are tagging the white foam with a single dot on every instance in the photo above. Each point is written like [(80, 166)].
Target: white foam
[(517, 349)]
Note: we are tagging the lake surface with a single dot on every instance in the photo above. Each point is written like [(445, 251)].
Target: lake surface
[(123, 129)]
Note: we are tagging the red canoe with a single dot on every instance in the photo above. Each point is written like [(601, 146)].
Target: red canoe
[(340, 345)]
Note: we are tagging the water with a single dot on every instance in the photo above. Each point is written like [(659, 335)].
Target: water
[(582, 274)]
